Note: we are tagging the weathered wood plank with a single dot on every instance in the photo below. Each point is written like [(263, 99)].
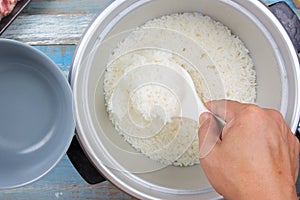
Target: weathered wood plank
[(62, 55), (50, 29), (64, 6), (54, 22), (63, 182)]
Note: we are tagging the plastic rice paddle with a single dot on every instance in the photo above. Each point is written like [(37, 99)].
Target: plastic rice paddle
[(189, 111), (179, 82)]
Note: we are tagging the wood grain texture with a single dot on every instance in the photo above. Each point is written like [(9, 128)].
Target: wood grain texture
[(54, 22), (64, 183)]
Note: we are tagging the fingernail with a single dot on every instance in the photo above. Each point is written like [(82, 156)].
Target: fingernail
[(208, 105)]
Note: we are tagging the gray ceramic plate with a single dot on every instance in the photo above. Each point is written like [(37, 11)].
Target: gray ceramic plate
[(36, 115)]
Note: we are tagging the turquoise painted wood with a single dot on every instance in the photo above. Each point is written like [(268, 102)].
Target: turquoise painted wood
[(55, 27), (62, 55)]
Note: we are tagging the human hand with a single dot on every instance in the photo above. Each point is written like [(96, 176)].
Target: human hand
[(257, 155)]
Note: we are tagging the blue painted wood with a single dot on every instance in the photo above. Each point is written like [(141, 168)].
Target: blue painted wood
[(63, 182), (62, 55)]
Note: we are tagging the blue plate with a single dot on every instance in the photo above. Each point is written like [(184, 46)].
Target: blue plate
[(36, 114)]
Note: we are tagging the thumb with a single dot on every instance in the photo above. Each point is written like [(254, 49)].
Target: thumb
[(208, 134)]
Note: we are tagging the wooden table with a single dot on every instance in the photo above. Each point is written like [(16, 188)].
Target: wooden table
[(55, 27)]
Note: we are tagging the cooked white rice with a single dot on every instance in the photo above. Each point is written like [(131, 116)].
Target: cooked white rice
[(217, 60)]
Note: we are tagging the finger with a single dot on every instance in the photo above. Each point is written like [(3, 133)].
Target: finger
[(296, 157), (293, 149), (204, 121), (226, 109), (296, 161), (208, 134)]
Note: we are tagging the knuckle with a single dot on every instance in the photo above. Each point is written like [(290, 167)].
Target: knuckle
[(275, 114), (259, 113), (252, 111), (280, 121)]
